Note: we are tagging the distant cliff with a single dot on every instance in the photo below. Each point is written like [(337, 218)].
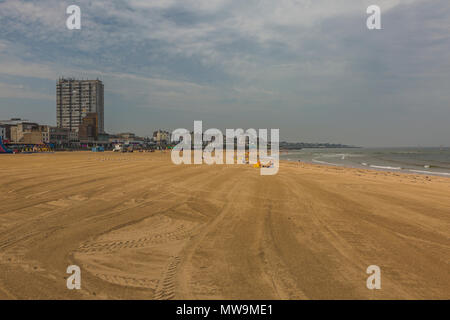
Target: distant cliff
[(303, 145)]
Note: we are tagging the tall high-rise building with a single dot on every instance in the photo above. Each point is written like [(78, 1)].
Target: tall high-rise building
[(75, 99)]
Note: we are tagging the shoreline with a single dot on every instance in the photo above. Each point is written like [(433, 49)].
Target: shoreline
[(366, 172), (380, 159), (374, 168)]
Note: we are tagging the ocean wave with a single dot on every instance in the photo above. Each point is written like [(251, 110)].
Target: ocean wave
[(387, 168), (324, 162), (431, 172)]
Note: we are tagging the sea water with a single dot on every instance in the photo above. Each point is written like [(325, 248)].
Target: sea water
[(432, 161)]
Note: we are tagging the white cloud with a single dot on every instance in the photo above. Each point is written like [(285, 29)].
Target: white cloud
[(20, 91)]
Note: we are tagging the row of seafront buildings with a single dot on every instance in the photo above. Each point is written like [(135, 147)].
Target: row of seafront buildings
[(18, 131), (79, 121), (79, 118)]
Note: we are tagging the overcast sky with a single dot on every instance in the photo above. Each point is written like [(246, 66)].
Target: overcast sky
[(308, 67)]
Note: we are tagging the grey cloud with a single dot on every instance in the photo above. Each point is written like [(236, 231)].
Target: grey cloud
[(310, 68)]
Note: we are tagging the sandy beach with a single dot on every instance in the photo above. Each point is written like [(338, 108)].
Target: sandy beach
[(141, 227)]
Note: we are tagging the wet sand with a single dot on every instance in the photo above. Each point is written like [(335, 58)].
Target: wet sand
[(140, 227)]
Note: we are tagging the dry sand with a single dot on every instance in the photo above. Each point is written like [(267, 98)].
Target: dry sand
[(142, 228)]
